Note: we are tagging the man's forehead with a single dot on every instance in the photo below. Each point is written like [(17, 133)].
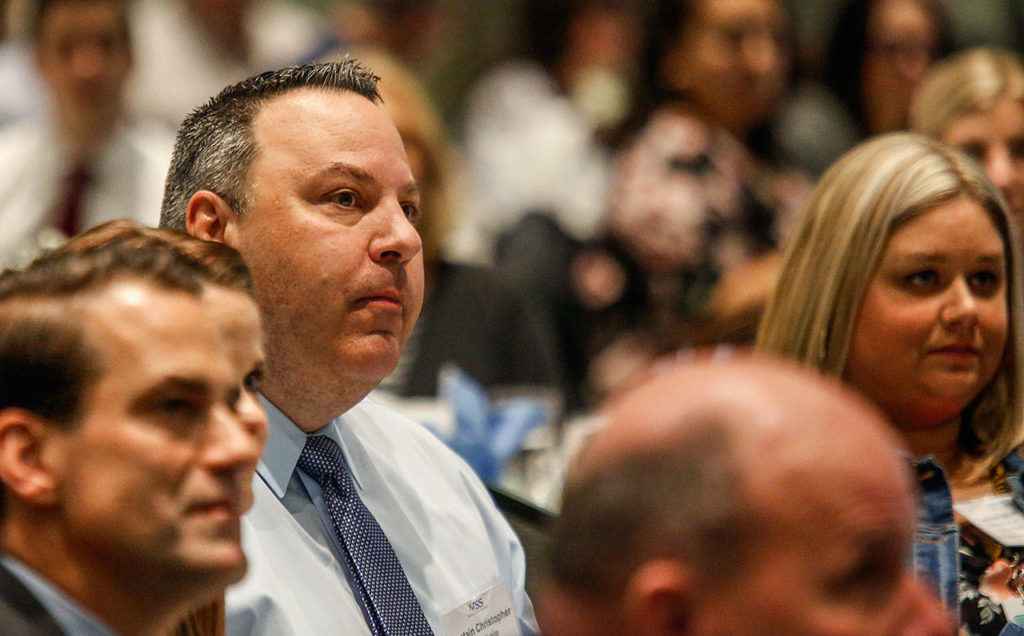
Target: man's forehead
[(308, 105), (144, 315), (317, 125), (148, 333)]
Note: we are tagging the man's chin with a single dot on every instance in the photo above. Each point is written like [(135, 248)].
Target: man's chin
[(373, 359), (216, 565)]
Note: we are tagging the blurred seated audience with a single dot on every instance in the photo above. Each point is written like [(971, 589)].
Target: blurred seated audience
[(698, 191), (87, 162), (23, 95), (877, 55), (128, 442), (410, 30), (974, 100), (700, 509), (536, 125), (903, 279), (187, 50)]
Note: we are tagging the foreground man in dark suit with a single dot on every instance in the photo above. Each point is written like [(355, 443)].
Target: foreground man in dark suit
[(126, 451)]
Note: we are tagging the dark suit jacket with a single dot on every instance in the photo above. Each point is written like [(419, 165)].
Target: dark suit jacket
[(20, 613)]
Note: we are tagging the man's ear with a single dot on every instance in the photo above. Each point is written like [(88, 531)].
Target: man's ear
[(659, 598), (27, 451), (209, 217)]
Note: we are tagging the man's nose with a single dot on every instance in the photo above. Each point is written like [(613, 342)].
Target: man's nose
[(235, 436), (396, 237)]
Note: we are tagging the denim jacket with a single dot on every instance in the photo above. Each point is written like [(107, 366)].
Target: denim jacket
[(937, 536)]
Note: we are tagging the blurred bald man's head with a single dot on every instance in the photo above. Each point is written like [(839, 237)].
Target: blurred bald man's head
[(739, 497)]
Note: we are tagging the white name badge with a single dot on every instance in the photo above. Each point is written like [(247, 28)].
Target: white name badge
[(487, 614), (996, 516)]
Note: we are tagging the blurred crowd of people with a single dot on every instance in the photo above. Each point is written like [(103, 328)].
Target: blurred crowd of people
[(608, 182)]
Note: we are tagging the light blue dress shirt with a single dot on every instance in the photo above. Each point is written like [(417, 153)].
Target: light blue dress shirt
[(452, 541), (69, 616)]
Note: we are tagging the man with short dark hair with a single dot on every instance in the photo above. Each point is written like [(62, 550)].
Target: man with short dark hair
[(83, 162), (302, 172), (126, 454), (739, 497)]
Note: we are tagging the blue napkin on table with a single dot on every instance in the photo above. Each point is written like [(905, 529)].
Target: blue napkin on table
[(486, 434)]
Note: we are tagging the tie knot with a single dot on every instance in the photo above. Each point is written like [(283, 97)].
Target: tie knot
[(321, 458)]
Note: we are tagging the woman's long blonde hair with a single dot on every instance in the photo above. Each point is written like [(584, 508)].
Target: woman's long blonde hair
[(853, 210)]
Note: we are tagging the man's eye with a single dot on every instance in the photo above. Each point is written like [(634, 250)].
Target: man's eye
[(412, 212), (345, 198)]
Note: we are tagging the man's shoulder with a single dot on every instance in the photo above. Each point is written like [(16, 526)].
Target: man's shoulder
[(20, 612)]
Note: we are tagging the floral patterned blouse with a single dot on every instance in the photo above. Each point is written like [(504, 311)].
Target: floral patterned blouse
[(981, 559)]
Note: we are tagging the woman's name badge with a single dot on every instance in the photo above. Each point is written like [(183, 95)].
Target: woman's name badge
[(487, 614), (997, 516)]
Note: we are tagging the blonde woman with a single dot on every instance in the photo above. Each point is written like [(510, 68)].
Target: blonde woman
[(902, 278), (975, 101)]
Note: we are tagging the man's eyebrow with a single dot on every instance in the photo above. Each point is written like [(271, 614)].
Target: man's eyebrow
[(176, 384), (409, 190), (352, 170), (364, 177)]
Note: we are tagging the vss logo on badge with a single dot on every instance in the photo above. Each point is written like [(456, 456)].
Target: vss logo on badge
[(477, 605)]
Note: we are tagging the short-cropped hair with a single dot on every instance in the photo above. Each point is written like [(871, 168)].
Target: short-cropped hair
[(214, 262)]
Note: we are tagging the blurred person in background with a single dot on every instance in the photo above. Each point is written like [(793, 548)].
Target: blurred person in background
[(877, 55), (699, 195), (537, 149), (87, 162), (535, 125), (407, 29), (187, 50), (23, 95), (974, 100), (699, 509)]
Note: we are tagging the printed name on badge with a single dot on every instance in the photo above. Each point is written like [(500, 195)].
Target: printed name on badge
[(486, 614)]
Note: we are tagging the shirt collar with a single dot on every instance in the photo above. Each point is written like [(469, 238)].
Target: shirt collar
[(71, 618), (285, 442)]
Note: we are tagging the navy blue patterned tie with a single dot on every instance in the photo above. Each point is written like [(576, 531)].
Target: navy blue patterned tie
[(385, 592)]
